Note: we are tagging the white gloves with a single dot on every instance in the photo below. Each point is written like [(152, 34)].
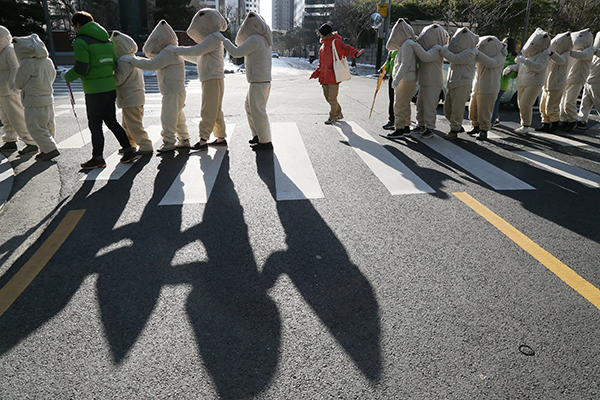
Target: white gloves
[(519, 59), (126, 58), (395, 83), (506, 71)]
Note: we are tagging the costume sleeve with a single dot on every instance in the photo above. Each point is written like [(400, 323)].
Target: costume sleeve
[(344, 50), (209, 44), (404, 58), (22, 75), (250, 45), (560, 59), (464, 57), (491, 62), (585, 54), (122, 72), (82, 61), (162, 60), (433, 54), (13, 65), (539, 63)]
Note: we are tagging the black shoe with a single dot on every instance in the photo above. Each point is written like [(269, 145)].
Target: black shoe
[(474, 131), (95, 162), (427, 133), (9, 146), (398, 133), (581, 125), (553, 127), (129, 156), (199, 146), (218, 143), (569, 126), (544, 128), (482, 135), (30, 148), (389, 126), (48, 156), (262, 146), (254, 140), (418, 129)]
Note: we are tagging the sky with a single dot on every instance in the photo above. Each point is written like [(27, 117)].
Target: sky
[(266, 11)]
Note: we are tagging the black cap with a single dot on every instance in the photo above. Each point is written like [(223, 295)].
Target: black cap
[(325, 29)]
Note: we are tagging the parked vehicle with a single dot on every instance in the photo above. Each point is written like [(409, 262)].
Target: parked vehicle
[(274, 54)]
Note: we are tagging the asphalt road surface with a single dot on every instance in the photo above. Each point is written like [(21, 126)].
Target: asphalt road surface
[(341, 265)]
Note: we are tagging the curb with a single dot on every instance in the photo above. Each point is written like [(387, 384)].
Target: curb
[(7, 176)]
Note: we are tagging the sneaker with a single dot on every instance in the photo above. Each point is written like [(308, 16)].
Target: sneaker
[(522, 130), (389, 126), (544, 128), (48, 156), (129, 157), (427, 133), (9, 146), (454, 134), (569, 126), (398, 133), (418, 129), (482, 135), (166, 147), (144, 152), (262, 146), (95, 162), (340, 116), (581, 125), (183, 144), (199, 146), (474, 131), (553, 127), (218, 142), (254, 140), (496, 122), (30, 148), (330, 121)]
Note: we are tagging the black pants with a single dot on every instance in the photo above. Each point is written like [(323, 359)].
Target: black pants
[(391, 91), (100, 108)]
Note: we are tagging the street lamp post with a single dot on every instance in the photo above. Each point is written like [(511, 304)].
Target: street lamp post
[(526, 23)]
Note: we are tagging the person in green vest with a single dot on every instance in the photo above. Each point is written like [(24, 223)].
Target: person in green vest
[(388, 67), (505, 79), (95, 63)]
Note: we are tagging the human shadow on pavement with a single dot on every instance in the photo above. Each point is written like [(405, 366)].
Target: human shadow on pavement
[(318, 265)]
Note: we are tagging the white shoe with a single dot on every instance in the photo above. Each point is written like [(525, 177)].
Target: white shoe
[(522, 130)]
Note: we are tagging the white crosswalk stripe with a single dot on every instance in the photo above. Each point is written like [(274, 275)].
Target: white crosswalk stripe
[(295, 178), (396, 177), (562, 168), (197, 178)]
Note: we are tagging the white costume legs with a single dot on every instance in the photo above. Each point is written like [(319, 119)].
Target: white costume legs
[(40, 123), (256, 110), (13, 118)]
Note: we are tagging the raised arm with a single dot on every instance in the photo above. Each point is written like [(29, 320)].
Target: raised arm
[(209, 44), (491, 62), (433, 54), (250, 45), (464, 57)]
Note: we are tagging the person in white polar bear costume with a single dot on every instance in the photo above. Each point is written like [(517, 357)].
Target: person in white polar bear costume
[(462, 55), (531, 72), (556, 81), (34, 78), (12, 114), (591, 89), (490, 61), (404, 75), (255, 42), (430, 75), (170, 71), (131, 94), (579, 70), (207, 54)]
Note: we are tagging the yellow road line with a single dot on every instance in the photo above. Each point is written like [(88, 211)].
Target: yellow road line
[(570, 277), (22, 279)]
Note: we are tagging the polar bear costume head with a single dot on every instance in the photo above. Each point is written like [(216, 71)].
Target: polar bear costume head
[(162, 36), (254, 24), (5, 38), (401, 32), (30, 47), (582, 39), (537, 42), (205, 22), (561, 43), (432, 35), (463, 39), (123, 43), (491, 46)]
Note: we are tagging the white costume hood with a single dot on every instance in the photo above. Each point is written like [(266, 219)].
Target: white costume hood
[(254, 24), (401, 32), (463, 39), (205, 22), (162, 36), (30, 47), (561, 43), (432, 35), (123, 43), (491, 46), (537, 42), (582, 39), (5, 38), (597, 40)]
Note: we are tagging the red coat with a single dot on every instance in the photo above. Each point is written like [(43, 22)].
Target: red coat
[(325, 69)]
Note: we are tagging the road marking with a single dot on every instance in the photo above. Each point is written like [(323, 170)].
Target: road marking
[(488, 173), (559, 167), (563, 141), (76, 141), (18, 283), (295, 178), (7, 176), (395, 176), (557, 267), (197, 178), (115, 169)]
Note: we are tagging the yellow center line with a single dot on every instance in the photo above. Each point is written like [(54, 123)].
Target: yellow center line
[(570, 277), (18, 283)]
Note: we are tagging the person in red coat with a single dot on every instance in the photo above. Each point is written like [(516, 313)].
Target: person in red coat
[(324, 71)]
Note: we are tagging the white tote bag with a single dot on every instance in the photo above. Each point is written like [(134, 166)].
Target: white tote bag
[(340, 66)]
